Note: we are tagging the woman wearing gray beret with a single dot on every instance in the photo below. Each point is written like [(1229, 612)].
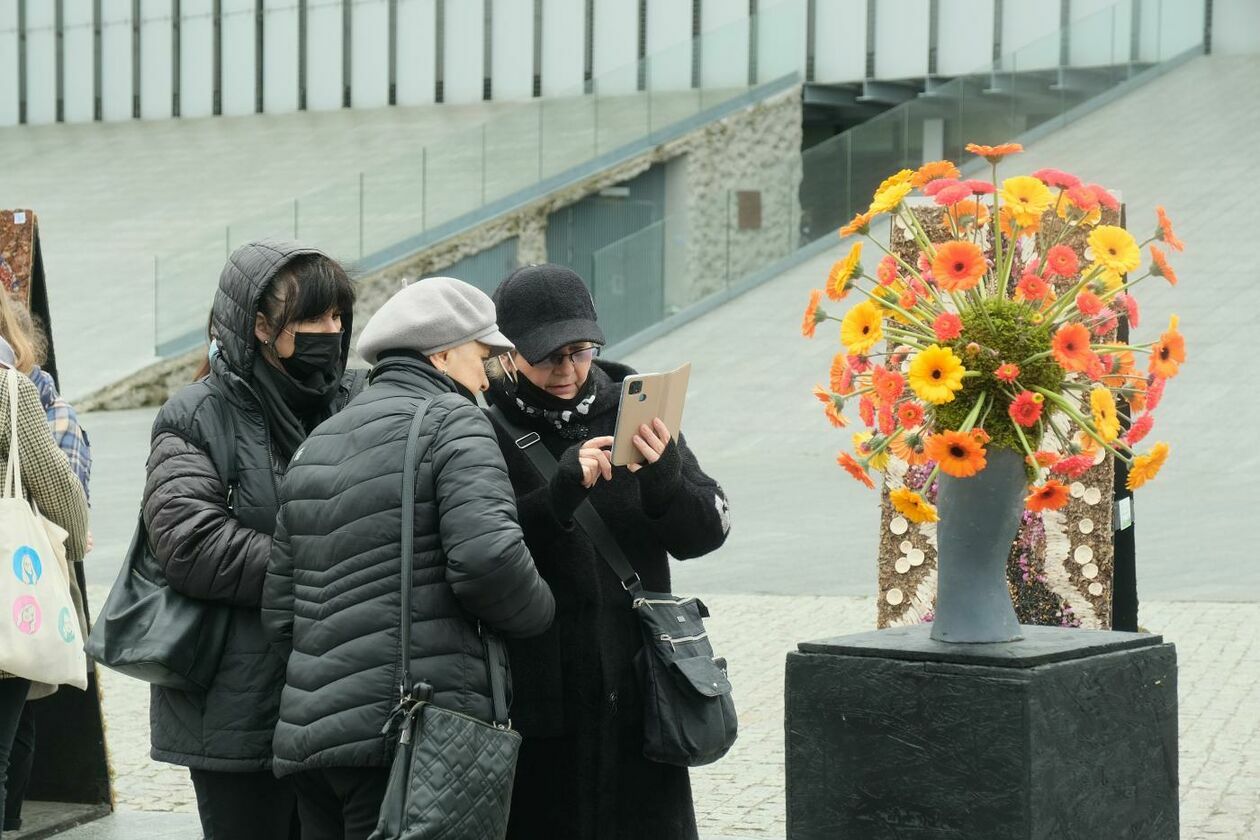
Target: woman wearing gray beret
[(332, 596)]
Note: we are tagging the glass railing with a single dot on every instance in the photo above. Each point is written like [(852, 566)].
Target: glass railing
[(810, 198), (406, 203)]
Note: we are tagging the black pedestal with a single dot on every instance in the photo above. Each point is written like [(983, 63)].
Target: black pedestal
[(1066, 735)]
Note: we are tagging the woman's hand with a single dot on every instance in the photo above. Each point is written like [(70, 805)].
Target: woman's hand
[(596, 460), (651, 442)]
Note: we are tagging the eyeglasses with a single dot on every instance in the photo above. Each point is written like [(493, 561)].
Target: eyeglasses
[(578, 357)]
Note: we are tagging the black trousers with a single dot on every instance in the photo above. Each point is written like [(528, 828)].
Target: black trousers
[(13, 693), (21, 760), (340, 803), (245, 806)]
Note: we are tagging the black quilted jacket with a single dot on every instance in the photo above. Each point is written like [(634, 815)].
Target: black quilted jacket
[(332, 590), (210, 553)]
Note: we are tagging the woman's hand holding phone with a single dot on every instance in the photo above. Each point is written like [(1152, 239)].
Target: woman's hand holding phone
[(596, 460), (651, 442)]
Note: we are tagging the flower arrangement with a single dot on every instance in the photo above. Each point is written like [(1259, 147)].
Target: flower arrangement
[(998, 334)]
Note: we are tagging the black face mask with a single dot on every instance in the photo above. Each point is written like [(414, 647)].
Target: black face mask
[(313, 353)]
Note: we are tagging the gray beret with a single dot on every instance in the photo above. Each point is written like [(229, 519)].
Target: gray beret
[(432, 315)]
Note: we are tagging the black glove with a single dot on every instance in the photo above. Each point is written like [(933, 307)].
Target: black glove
[(567, 491), (660, 481)]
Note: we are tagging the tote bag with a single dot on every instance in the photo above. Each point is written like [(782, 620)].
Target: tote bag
[(40, 637)]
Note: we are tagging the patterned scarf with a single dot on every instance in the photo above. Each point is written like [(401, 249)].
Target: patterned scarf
[(570, 418)]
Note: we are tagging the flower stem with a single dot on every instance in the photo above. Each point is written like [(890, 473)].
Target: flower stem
[(1066, 407)]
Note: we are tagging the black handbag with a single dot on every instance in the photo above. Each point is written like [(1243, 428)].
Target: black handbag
[(149, 631), (452, 774), (688, 713)]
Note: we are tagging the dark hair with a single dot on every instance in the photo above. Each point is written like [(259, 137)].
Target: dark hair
[(203, 369), (308, 287)]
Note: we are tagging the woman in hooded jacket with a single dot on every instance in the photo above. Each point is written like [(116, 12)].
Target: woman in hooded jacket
[(282, 318), (577, 698)]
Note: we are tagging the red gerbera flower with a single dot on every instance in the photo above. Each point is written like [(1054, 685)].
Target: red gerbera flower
[(1074, 467), (1026, 408), (1007, 372), (1155, 393), (1141, 428), (889, 384), (947, 326), (1050, 496), (886, 271), (953, 194), (933, 187), (866, 410), (1056, 178), (908, 299), (1062, 260), (910, 414), (1130, 304), (1032, 287), (860, 364), (1106, 322), (1104, 197), (1083, 197), (887, 425), (978, 187), (1089, 304)]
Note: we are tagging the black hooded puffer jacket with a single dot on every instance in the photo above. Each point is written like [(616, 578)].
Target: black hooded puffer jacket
[(209, 552), (332, 592)]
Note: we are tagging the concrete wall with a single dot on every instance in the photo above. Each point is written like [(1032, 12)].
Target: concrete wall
[(1235, 26), (733, 51)]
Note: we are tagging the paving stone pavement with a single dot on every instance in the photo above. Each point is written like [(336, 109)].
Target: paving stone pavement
[(1218, 648)]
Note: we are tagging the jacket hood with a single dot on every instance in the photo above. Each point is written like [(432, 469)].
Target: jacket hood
[(246, 277)]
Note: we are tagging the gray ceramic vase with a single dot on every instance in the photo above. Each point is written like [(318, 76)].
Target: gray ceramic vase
[(979, 518)]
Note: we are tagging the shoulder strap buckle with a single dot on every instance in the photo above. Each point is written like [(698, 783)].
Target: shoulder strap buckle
[(526, 441)]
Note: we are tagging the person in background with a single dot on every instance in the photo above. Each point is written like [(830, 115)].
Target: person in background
[(332, 598), (50, 484), (578, 702), (27, 351), (282, 317)]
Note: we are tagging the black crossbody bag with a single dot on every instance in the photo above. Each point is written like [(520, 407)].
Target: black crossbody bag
[(688, 712)]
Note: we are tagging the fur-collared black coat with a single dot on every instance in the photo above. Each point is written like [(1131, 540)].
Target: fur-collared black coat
[(577, 698)]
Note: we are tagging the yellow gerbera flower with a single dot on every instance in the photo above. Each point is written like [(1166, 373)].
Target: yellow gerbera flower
[(842, 272), (1115, 248), (1028, 198), (1103, 406), (876, 462), (1108, 280), (912, 506), (1145, 467), (887, 198), (905, 176), (861, 328), (936, 374)]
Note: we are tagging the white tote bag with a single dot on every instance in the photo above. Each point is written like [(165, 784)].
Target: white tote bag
[(40, 637)]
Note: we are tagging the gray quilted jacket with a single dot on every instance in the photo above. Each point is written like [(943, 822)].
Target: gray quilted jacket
[(210, 552), (331, 599)]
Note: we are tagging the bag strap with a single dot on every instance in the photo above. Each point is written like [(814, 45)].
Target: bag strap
[(496, 658), (13, 471), (231, 479), (585, 515)]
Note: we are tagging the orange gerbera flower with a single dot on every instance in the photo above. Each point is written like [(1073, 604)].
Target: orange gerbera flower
[(932, 171), (993, 154), (1025, 409), (1049, 496), (957, 453), (888, 384), (1043, 458), (1169, 353), (854, 469), (912, 506), (1145, 467), (831, 407), (814, 314), (958, 266), (1164, 230), (1161, 268), (1007, 372), (841, 375), (1062, 260), (968, 213), (1071, 348), (861, 223), (842, 273), (1032, 288), (910, 414)]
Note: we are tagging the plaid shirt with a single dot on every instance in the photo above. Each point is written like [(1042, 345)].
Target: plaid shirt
[(64, 423)]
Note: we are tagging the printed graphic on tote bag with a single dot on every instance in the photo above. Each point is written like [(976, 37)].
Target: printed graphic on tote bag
[(26, 615), (27, 565), (65, 626)]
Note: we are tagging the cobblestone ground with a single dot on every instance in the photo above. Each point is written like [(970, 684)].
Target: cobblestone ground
[(1218, 649)]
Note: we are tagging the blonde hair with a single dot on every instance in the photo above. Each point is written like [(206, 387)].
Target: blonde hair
[(18, 328)]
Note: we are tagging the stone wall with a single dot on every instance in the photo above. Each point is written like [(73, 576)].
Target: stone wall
[(754, 149)]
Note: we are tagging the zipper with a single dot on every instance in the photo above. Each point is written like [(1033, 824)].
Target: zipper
[(648, 602), (674, 641)]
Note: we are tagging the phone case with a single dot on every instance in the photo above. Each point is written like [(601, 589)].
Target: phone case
[(660, 395)]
